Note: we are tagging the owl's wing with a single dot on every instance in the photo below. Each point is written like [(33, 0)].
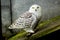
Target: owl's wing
[(26, 15), (28, 24), (24, 21), (20, 22)]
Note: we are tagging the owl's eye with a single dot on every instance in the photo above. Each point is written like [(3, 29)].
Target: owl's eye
[(32, 7), (37, 7)]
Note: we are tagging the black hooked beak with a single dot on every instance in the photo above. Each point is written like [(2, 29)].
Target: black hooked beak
[(35, 9)]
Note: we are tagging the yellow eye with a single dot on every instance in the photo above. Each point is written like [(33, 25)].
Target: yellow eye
[(32, 7), (37, 7)]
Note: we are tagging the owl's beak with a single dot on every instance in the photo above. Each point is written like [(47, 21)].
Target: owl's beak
[(35, 9)]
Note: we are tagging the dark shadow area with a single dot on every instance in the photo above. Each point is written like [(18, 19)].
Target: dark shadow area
[(52, 36)]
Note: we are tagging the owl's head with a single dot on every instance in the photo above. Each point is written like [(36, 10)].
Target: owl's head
[(35, 8)]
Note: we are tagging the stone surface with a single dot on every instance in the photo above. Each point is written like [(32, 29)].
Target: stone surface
[(5, 2), (5, 17)]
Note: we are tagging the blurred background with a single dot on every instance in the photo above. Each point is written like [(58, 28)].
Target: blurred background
[(11, 9)]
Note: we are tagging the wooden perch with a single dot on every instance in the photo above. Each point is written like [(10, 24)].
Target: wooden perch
[(43, 32), (42, 29), (19, 35), (45, 23)]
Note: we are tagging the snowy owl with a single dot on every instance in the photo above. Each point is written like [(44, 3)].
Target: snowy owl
[(27, 20)]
